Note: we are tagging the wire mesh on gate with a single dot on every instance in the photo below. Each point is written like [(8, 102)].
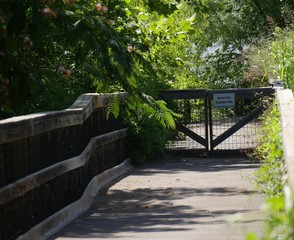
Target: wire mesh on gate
[(193, 117), (223, 119), (218, 119), (244, 138)]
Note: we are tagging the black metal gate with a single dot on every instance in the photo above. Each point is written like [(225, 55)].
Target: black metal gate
[(217, 119)]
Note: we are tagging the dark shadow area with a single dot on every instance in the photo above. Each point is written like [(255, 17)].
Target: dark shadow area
[(147, 210), (160, 208)]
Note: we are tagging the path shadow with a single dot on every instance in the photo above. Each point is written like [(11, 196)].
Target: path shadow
[(152, 210), (147, 210)]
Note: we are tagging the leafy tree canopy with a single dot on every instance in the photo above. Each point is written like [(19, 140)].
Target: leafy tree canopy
[(51, 51)]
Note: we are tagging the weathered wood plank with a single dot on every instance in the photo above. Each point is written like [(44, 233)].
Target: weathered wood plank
[(16, 128), (286, 105), (36, 179)]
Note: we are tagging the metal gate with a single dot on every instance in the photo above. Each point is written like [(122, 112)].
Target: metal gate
[(217, 119)]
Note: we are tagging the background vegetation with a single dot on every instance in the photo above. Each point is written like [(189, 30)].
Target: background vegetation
[(51, 51)]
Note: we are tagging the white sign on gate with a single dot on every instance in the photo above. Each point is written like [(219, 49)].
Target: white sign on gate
[(224, 100)]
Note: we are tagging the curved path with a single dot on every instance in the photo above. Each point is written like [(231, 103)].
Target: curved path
[(189, 198)]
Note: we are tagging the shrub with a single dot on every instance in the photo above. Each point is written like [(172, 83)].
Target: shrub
[(269, 176), (147, 141), (279, 223)]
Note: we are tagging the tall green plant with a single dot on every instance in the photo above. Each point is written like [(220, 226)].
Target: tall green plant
[(269, 176), (273, 59), (282, 56)]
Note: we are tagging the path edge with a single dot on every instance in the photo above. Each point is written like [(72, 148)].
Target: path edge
[(63, 217)]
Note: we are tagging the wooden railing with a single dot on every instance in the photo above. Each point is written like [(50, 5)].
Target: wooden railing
[(52, 164), (286, 106)]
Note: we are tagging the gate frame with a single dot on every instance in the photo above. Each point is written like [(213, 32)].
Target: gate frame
[(191, 94), (240, 93), (207, 95)]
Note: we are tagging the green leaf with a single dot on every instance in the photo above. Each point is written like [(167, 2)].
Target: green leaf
[(132, 81), (251, 236), (113, 106), (185, 25), (143, 16)]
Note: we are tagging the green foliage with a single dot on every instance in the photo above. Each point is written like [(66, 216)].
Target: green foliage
[(51, 49), (150, 123), (162, 7), (279, 221), (270, 179), (273, 59), (148, 138), (159, 111), (269, 176), (147, 141), (165, 27), (229, 27), (113, 107), (169, 38), (282, 57)]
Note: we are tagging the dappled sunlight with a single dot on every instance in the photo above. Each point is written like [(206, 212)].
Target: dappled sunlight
[(171, 197)]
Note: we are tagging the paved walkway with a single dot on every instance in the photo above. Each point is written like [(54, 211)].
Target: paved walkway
[(186, 199)]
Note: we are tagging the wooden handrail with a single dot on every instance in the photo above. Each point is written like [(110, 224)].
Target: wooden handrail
[(20, 127), (285, 101)]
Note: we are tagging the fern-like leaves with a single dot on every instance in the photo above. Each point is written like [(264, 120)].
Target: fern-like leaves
[(113, 106), (147, 108), (160, 111)]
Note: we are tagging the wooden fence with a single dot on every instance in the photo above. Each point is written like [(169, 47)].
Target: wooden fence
[(50, 161), (286, 106)]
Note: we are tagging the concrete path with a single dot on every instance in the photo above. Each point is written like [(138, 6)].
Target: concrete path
[(190, 198)]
